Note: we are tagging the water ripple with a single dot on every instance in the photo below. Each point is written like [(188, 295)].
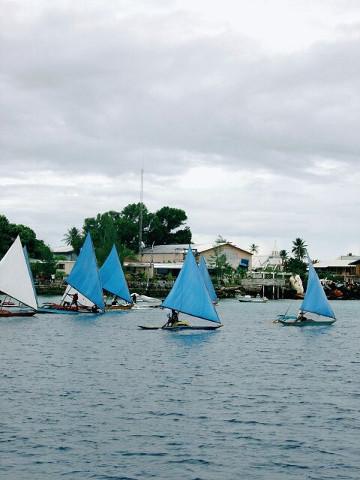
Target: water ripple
[(100, 399)]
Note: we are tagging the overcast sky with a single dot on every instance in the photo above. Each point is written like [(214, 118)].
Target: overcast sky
[(246, 114)]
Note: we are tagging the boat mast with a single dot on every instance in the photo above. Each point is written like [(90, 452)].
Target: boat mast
[(141, 212)]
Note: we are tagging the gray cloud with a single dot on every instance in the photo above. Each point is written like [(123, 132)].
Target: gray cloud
[(106, 90)]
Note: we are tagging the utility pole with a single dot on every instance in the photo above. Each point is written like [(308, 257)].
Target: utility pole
[(141, 212)]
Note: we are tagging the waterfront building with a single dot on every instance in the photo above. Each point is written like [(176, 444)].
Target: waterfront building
[(160, 261), (164, 261), (272, 261), (346, 266), (66, 258)]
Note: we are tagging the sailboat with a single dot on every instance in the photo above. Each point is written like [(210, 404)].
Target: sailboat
[(207, 280), (16, 282), (315, 301), (113, 281), (188, 295), (144, 301), (84, 282)]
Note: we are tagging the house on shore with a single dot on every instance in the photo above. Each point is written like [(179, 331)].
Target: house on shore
[(66, 258), (159, 261), (346, 266)]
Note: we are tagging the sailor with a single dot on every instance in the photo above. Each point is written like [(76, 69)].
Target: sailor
[(94, 309), (174, 318), (301, 318), (75, 301)]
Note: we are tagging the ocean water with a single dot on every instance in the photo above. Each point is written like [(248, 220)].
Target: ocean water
[(95, 397)]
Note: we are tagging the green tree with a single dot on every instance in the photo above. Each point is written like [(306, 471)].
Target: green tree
[(223, 270), (165, 226), (254, 248), (284, 255), (129, 225), (9, 231), (295, 266), (299, 248), (5, 235), (220, 239), (74, 238), (103, 231), (47, 266)]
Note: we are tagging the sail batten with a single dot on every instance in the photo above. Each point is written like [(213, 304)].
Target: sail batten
[(189, 294), (315, 300), (84, 276), (112, 277)]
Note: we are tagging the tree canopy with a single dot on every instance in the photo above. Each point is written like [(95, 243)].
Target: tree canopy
[(37, 249), (299, 248), (165, 226)]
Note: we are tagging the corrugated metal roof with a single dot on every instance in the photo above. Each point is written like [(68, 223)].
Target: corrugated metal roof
[(167, 248), (203, 247), (182, 248), (170, 266), (63, 249), (333, 263), (262, 261)]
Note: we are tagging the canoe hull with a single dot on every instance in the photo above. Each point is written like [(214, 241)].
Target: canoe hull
[(7, 313), (61, 310), (118, 308), (180, 327), (306, 323), (54, 310)]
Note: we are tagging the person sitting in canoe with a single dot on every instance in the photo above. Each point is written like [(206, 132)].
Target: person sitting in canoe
[(301, 318), (173, 319)]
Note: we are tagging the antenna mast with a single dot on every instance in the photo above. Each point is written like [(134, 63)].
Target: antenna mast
[(141, 212)]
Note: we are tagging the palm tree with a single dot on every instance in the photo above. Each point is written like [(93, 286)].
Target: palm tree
[(284, 255), (74, 238), (299, 248), (254, 248), (71, 236)]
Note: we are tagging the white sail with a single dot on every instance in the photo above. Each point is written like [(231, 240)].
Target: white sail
[(68, 297), (15, 280)]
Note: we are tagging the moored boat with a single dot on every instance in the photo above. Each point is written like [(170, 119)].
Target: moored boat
[(250, 299), (144, 301)]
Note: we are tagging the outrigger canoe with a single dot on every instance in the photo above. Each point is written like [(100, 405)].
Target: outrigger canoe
[(189, 295), (304, 323), (180, 327)]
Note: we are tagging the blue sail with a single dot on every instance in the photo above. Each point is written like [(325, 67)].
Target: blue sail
[(206, 277), (113, 278), (315, 300), (84, 276), (189, 293), (30, 272)]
